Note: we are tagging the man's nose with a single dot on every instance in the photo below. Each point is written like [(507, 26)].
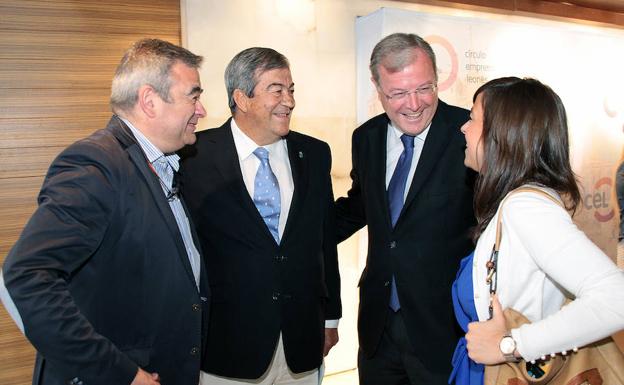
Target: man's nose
[(288, 99), (200, 110), (413, 100)]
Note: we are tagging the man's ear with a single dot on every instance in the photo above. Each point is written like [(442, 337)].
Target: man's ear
[(148, 100), (241, 100)]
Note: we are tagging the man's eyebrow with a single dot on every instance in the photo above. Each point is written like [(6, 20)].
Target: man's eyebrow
[(195, 90), (281, 85)]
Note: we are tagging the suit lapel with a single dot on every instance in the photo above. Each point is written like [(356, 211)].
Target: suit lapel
[(300, 173), (379, 153), (137, 156), (434, 146)]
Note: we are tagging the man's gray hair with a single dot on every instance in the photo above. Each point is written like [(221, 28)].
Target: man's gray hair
[(148, 61), (244, 69), (396, 51)]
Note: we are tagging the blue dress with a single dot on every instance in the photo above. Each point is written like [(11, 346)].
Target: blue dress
[(465, 371)]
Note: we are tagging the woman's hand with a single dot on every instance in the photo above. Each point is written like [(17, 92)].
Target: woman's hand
[(483, 338)]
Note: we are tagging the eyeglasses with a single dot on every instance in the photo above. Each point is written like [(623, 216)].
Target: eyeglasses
[(396, 96)]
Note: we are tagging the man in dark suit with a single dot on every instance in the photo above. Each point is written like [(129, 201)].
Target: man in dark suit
[(106, 278), (261, 198), (410, 186)]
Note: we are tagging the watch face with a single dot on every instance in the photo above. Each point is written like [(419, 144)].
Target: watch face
[(507, 345)]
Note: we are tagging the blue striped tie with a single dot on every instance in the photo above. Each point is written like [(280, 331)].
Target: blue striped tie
[(396, 191)]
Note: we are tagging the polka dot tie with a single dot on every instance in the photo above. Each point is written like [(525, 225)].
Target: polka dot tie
[(266, 193)]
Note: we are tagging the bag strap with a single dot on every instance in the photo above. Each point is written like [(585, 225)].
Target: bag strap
[(499, 229), (492, 263)]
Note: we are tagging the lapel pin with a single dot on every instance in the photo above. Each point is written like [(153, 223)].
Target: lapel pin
[(300, 154)]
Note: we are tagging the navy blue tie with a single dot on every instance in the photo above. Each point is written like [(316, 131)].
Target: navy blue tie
[(266, 193), (396, 192)]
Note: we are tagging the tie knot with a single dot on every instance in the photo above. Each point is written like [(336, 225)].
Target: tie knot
[(262, 153), (408, 141)]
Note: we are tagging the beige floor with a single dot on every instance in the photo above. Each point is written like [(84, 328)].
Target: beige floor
[(345, 378)]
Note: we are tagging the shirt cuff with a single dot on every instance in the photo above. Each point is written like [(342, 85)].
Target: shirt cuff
[(331, 323), (515, 334)]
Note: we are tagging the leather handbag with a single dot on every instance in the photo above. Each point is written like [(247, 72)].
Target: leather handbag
[(599, 363)]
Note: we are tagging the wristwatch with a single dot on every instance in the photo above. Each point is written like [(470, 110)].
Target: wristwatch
[(507, 346)]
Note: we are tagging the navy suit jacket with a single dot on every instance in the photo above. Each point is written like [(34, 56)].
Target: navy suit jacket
[(100, 275), (425, 246), (261, 288)]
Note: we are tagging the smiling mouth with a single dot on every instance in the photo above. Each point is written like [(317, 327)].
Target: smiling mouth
[(282, 114), (413, 116)]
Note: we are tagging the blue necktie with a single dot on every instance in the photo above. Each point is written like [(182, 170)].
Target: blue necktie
[(396, 191), (266, 193)]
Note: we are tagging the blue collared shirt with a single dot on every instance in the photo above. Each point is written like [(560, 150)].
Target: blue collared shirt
[(165, 166)]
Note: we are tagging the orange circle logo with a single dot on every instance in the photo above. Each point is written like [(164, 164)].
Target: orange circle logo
[(599, 200), (452, 73)]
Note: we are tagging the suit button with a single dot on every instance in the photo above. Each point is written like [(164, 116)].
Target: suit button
[(386, 283), (275, 296), (393, 245), (196, 307), (194, 351)]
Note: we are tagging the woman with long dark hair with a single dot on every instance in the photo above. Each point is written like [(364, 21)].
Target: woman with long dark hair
[(517, 136)]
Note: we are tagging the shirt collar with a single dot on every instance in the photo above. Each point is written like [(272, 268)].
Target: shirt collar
[(245, 146), (152, 153), (396, 133)]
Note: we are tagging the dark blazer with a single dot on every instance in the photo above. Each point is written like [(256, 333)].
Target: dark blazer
[(100, 274), (259, 287), (424, 248)]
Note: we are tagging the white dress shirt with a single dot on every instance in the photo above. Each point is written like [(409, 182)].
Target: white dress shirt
[(279, 162), (394, 148)]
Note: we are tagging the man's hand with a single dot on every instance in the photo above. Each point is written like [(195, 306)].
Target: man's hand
[(483, 338), (331, 339), (144, 378)]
